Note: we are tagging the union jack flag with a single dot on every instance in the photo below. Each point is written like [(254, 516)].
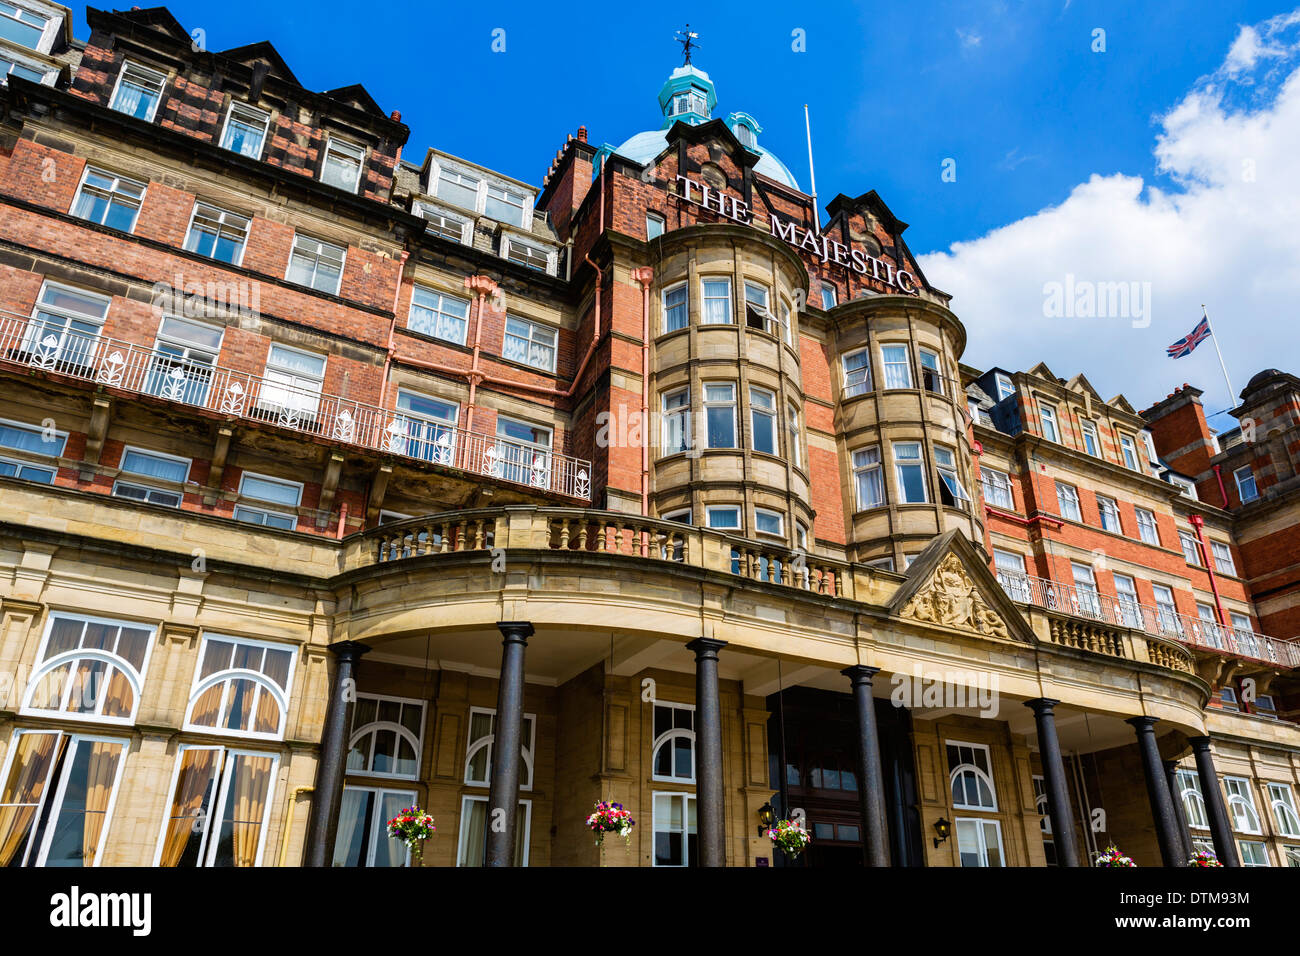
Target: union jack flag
[(1187, 344)]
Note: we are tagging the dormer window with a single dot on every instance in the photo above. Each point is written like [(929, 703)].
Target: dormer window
[(10, 66), (245, 130), (138, 91), (505, 206), (745, 135), (526, 253), (21, 26), (457, 188), (342, 167)]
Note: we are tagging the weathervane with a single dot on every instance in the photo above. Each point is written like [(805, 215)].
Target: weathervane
[(686, 38)]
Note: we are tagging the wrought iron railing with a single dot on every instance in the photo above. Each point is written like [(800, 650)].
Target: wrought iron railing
[(1162, 621), (56, 348)]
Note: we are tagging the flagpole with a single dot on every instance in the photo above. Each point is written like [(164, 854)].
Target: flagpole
[(1232, 392)]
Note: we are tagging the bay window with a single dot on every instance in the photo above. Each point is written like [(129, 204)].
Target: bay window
[(762, 420), (758, 314), (717, 301), (931, 373), (857, 373), (676, 429), (720, 414), (951, 491), (909, 472), (675, 307), (867, 478), (898, 371), (794, 445)]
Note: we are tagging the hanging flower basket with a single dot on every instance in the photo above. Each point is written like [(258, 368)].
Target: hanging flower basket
[(790, 837), (1112, 857), (412, 826), (611, 818), (1203, 858)]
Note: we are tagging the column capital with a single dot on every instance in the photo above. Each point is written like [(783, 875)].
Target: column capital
[(1142, 723), (349, 651), (515, 631), (706, 647), (1199, 744), (1042, 705), (860, 674)]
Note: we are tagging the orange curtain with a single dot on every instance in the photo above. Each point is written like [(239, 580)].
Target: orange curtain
[(248, 791), (268, 712), (240, 704), (101, 771), (205, 708), (198, 767), (27, 779), (119, 698)]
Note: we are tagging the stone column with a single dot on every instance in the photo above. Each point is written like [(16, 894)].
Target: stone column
[(324, 825), (708, 752), (871, 779), (1180, 814), (1054, 781), (1162, 804), (503, 793), (1225, 846)]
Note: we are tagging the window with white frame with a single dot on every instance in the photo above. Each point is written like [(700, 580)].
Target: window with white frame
[(675, 833), (316, 264), (867, 478), (1004, 386), (1045, 823), (951, 491), (1126, 600), (471, 847), (716, 295), (1010, 569), (1189, 789), (769, 522), (1108, 510), (108, 199), (1243, 633), (1191, 549), (1047, 416), (479, 743), (1129, 451), (720, 414), (1241, 805), (185, 356), (89, 668), (997, 488), (1253, 853), (245, 130), (676, 428), (1166, 610), (970, 774), (65, 327), (1228, 698), (217, 233), (979, 842), (828, 296), (523, 452), (505, 205), (220, 807), (138, 91), (794, 445), (275, 491), (1147, 529), (34, 441), (528, 254), (931, 371), (857, 373), (1223, 562), (654, 225), (428, 425), (762, 420), (58, 796), (723, 518), (1090, 442), (675, 307), (1067, 501), (758, 312), (1291, 855), (11, 65), (292, 382), (1086, 598), (22, 26), (342, 165), (1209, 626), (1265, 706), (363, 838), (529, 343), (909, 472), (672, 749), (241, 687), (1246, 488), (783, 317), (442, 223), (151, 465), (460, 189), (386, 737), (438, 314), (1185, 485), (898, 371), (1284, 813)]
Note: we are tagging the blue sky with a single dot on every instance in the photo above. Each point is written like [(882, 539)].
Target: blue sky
[(1012, 91)]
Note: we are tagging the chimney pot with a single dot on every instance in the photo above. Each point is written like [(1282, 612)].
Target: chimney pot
[(396, 116), (582, 134)]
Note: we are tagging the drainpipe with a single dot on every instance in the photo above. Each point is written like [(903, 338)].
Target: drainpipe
[(392, 327), (343, 519), (1223, 492), (290, 803), (645, 275), (1197, 522), (484, 287)]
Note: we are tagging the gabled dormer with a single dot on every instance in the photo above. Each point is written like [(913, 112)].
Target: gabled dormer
[(32, 33)]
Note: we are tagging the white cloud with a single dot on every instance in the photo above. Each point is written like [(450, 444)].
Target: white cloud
[(1228, 236), (969, 38)]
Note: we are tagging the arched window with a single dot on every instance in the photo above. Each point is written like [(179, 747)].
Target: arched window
[(1241, 806), (242, 687), (478, 753), (970, 777), (673, 751), (745, 135), (385, 739), (90, 668), (1288, 822), (1189, 788)]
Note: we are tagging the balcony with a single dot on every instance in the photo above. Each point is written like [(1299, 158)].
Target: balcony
[(1162, 622), (28, 344)]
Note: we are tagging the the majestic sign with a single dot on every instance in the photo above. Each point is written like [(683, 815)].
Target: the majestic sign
[(806, 240)]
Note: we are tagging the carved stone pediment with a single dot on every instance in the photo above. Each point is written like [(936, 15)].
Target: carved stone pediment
[(951, 598)]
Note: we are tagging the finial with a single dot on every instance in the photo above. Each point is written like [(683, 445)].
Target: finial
[(687, 39)]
